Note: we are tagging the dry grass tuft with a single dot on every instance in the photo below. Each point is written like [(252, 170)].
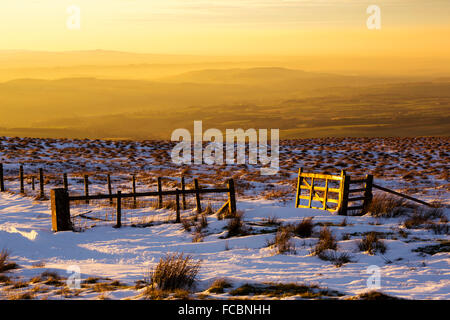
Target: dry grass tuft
[(304, 228), (372, 244), (388, 206), (174, 271), (219, 286), (375, 295), (283, 241), (326, 241), (5, 264), (336, 258), (236, 226)]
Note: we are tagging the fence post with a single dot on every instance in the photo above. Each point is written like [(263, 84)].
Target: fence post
[(86, 187), (343, 194), (325, 195), (197, 196), (183, 196), (60, 210), (22, 187), (231, 196), (178, 219), (299, 189), (134, 190), (41, 183), (108, 179), (2, 183), (65, 181), (368, 195), (119, 210), (160, 200), (32, 183)]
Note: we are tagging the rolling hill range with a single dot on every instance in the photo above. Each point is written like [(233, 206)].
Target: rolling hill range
[(301, 104)]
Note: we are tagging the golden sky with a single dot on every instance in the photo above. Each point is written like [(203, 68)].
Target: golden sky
[(289, 27)]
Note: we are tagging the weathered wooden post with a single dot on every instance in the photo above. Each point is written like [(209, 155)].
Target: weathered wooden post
[(299, 190), (60, 210), (86, 187), (197, 196), (231, 196), (325, 196), (343, 193), (119, 210), (368, 195), (108, 179), (33, 183), (22, 187), (160, 199), (178, 219), (65, 181), (2, 183), (41, 183), (134, 190), (183, 196)]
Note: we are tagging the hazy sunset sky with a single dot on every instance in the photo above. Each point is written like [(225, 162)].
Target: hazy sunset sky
[(415, 27)]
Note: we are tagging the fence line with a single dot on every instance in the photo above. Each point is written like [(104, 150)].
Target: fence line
[(61, 201)]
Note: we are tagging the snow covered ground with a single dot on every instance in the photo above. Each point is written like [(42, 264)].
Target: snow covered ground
[(418, 167), (126, 254)]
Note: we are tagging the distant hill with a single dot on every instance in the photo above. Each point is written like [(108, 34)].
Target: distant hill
[(261, 75)]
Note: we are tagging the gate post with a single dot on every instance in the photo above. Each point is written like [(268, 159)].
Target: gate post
[(231, 196), (343, 194), (2, 184), (22, 188), (299, 186), (368, 195), (60, 210)]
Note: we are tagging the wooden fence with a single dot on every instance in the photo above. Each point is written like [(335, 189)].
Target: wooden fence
[(21, 178), (354, 194), (60, 200)]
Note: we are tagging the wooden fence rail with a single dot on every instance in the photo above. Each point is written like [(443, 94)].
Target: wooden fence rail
[(61, 201)]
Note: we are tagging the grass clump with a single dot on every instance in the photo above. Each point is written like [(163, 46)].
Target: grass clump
[(155, 294), (108, 286), (326, 241), (283, 290), (28, 295), (423, 216), (271, 221), (5, 263), (336, 258), (51, 279), (372, 244), (434, 249), (438, 228), (387, 206), (174, 271), (375, 295), (219, 286), (236, 226), (304, 228), (283, 241)]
